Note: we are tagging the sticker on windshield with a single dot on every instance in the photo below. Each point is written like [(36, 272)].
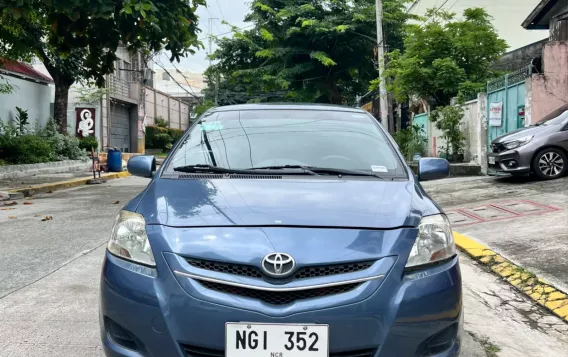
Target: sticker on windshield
[(376, 168), (216, 125)]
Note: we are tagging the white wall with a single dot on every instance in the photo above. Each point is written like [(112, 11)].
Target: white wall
[(31, 96), (474, 127)]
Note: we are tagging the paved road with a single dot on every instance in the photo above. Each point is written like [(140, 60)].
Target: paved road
[(522, 219), (49, 275)]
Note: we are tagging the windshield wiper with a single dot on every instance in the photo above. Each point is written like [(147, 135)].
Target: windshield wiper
[(224, 170), (320, 170), (205, 168), (304, 169)]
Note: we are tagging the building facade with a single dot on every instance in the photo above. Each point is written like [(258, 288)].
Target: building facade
[(30, 91)]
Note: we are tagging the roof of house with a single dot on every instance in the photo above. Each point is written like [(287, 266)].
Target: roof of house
[(539, 18), (22, 69)]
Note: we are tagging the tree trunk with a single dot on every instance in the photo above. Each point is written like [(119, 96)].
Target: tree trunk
[(61, 100)]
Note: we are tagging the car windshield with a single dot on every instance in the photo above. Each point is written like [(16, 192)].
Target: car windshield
[(249, 139), (555, 120)]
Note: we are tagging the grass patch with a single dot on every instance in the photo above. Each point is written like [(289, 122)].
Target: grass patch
[(491, 349)]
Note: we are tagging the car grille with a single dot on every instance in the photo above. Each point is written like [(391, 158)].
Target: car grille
[(303, 273), (194, 351), (279, 297)]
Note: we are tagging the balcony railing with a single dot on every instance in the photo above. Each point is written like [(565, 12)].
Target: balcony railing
[(119, 86)]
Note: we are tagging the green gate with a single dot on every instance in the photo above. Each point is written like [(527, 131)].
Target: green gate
[(511, 92), (422, 121)]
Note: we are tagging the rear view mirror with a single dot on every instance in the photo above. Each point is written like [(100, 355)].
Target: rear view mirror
[(431, 168), (142, 165)]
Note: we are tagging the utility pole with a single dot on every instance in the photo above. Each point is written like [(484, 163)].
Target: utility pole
[(384, 102), (211, 19), (217, 88)]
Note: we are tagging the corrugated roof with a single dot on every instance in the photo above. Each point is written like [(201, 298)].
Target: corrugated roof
[(534, 20), (23, 69)]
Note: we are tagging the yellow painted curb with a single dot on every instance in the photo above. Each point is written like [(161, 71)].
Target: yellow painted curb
[(53, 186), (524, 281)]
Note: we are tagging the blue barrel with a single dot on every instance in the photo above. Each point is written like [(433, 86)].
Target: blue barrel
[(114, 160)]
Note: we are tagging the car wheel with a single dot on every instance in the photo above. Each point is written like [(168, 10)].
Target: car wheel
[(550, 163)]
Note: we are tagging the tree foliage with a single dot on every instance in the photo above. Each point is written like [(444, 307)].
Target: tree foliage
[(78, 39), (444, 57), (306, 50)]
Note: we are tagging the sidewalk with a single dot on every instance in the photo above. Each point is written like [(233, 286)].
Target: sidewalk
[(26, 186)]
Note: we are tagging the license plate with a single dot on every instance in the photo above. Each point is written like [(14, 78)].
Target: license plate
[(273, 340), (491, 160)]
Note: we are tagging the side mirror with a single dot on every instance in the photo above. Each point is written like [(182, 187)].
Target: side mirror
[(431, 168), (142, 165)]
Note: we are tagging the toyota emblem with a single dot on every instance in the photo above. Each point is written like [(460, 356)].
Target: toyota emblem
[(278, 265)]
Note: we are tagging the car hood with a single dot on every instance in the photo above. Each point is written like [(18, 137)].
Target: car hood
[(521, 133), (286, 202)]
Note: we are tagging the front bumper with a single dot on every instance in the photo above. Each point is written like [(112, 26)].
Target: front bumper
[(405, 316), (516, 161)]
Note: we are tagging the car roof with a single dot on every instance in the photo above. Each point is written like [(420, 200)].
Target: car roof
[(287, 106)]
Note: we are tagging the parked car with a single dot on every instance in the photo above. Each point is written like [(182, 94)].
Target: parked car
[(540, 149), (282, 230)]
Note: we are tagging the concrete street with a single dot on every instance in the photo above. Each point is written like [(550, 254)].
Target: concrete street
[(49, 273), (522, 219)]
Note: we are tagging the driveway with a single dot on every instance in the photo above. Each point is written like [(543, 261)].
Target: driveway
[(524, 220)]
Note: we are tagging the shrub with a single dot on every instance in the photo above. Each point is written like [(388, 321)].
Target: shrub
[(448, 120), (71, 149), (163, 141), (25, 149), (151, 133), (88, 143), (22, 121), (162, 123), (175, 134), (158, 137), (63, 147), (411, 141)]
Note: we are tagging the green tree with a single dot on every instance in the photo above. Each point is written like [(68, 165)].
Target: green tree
[(444, 57), (307, 50), (78, 39)]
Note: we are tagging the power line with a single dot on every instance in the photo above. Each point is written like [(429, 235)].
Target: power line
[(220, 10), (436, 11), (412, 6), (169, 74), (228, 32)]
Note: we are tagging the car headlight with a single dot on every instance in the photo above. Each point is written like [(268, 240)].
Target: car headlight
[(129, 240), (434, 242), (519, 142)]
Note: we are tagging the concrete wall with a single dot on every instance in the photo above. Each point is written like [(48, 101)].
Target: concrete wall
[(474, 127), (549, 91), (160, 105), (520, 57), (31, 96)]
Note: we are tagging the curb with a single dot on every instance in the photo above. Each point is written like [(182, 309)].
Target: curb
[(32, 190), (523, 280)]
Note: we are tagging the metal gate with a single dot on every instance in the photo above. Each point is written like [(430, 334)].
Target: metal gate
[(422, 121), (509, 90), (120, 127)]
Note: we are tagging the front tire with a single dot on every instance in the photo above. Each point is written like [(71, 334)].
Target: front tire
[(550, 163)]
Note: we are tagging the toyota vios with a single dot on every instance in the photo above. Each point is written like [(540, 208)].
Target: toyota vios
[(282, 231)]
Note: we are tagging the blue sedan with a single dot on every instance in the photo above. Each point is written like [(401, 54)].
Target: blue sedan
[(282, 231)]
